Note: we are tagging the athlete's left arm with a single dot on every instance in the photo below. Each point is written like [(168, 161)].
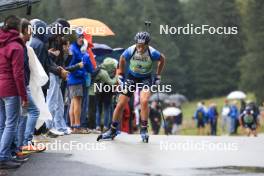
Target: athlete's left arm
[(161, 63)]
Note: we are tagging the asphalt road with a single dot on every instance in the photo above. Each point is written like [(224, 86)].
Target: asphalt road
[(163, 155)]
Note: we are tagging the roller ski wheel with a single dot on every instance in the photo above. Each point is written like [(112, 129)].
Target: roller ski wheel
[(144, 135), (110, 134)]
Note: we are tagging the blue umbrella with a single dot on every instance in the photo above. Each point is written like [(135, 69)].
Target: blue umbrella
[(119, 50), (101, 49)]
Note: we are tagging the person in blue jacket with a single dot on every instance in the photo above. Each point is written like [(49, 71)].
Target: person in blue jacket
[(212, 118), (200, 118), (77, 79), (233, 114)]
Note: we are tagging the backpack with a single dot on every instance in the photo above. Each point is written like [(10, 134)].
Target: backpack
[(200, 115)]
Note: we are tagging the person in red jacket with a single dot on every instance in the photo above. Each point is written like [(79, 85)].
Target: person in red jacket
[(12, 87)]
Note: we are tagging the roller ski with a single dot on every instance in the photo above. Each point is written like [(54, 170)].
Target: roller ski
[(108, 135), (144, 135)]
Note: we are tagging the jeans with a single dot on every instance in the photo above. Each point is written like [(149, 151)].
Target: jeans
[(18, 141), (224, 122), (213, 124), (33, 115), (67, 105), (20, 134), (103, 102), (85, 107), (232, 123), (56, 104), (9, 114)]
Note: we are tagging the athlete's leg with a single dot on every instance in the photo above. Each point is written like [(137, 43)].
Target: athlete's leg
[(248, 131), (144, 98), (254, 132), (122, 101), (112, 132)]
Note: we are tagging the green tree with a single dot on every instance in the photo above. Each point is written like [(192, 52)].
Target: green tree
[(214, 58), (252, 73)]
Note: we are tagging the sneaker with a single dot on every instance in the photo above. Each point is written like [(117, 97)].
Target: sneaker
[(51, 135), (105, 129), (9, 165), (80, 131), (97, 130), (89, 130), (54, 131), (23, 154), (33, 149), (68, 131), (21, 160), (40, 139), (26, 152)]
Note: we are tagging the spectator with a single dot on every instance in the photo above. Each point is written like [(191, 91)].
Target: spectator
[(233, 117), (12, 86), (212, 118), (177, 122), (54, 94), (200, 117), (206, 119), (224, 114), (38, 43), (105, 76), (155, 117), (76, 81), (32, 110)]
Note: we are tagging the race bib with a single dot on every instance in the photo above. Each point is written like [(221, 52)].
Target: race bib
[(248, 119), (141, 63)]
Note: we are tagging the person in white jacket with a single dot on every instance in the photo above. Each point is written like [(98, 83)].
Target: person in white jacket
[(25, 128)]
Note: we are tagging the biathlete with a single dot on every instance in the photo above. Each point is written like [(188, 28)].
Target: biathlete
[(141, 58)]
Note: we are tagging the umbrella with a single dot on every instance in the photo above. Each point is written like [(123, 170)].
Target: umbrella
[(118, 50), (117, 53), (177, 98), (92, 27), (236, 95), (15, 4), (159, 96), (101, 49), (171, 111)]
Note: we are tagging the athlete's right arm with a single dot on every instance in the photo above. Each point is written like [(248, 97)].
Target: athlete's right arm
[(121, 70), (122, 64)]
